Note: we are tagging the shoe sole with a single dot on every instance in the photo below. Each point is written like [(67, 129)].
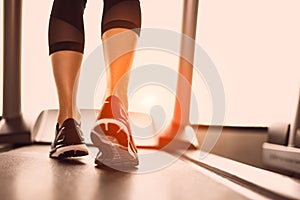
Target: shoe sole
[(111, 153), (70, 151)]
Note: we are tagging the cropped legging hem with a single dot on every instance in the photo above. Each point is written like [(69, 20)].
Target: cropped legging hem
[(66, 27)]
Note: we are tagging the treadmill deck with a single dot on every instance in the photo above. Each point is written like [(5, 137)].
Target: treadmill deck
[(28, 173)]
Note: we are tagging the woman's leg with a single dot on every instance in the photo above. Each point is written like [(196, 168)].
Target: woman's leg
[(119, 68), (66, 65), (121, 24), (66, 44)]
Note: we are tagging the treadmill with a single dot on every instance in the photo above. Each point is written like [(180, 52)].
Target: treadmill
[(13, 129)]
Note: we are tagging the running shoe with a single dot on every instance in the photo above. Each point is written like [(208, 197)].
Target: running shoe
[(68, 141), (112, 136)]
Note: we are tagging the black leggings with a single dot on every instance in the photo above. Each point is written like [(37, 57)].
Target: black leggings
[(66, 29)]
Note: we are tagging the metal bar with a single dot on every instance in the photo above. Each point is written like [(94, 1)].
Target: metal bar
[(295, 128), (12, 58), (13, 128), (174, 132), (185, 68)]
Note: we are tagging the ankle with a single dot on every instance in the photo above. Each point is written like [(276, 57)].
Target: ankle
[(122, 97), (62, 116)]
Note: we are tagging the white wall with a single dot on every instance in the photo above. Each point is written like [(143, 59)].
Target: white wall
[(254, 45)]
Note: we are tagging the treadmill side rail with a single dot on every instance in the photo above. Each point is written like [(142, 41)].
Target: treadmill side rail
[(282, 157)]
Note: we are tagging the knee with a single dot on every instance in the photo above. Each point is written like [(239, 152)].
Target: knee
[(121, 14), (70, 11)]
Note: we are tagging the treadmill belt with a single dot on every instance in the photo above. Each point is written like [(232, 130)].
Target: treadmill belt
[(28, 173)]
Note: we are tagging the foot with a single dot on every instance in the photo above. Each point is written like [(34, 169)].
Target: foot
[(68, 141), (112, 136)]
